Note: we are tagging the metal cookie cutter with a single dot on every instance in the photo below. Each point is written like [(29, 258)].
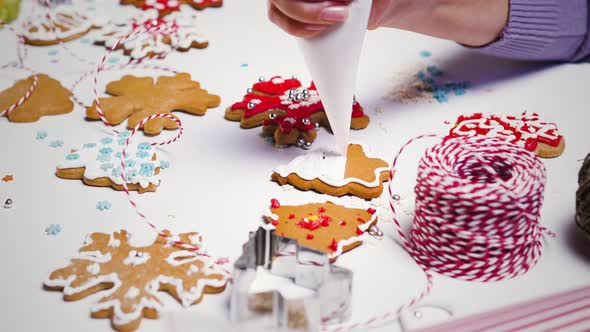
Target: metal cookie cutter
[(279, 284)]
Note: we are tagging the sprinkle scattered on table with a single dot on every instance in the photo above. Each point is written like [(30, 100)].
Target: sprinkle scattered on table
[(103, 205), (425, 54), (56, 144), (41, 135), (53, 229)]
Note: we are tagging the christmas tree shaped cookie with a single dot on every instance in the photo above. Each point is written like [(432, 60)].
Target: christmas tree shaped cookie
[(129, 278)]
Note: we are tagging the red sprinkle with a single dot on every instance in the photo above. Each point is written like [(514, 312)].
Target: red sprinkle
[(342, 223), (310, 225), (292, 215), (274, 203), (275, 222), (325, 220), (334, 245), (359, 231), (371, 210), (309, 236), (322, 209), (359, 219)]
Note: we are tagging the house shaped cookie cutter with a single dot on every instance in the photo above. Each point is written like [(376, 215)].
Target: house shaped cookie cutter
[(328, 300)]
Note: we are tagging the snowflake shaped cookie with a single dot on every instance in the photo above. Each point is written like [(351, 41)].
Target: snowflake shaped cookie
[(129, 278), (177, 31), (69, 24)]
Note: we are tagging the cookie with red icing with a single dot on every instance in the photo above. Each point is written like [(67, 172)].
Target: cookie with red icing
[(328, 172), (327, 227), (288, 112), (525, 130), (165, 7)]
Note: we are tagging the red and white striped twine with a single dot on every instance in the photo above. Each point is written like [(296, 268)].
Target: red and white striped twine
[(478, 203)]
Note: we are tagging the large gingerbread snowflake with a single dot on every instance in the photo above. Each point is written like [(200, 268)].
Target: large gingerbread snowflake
[(136, 98), (166, 7), (129, 277), (177, 31)]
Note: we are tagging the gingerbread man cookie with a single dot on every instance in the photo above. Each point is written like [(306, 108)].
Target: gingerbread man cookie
[(136, 98), (526, 130), (64, 24), (165, 7), (328, 172), (48, 98), (288, 112), (177, 31), (129, 278), (99, 164), (327, 227)]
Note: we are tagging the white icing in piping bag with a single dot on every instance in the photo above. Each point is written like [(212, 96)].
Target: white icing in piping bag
[(332, 59)]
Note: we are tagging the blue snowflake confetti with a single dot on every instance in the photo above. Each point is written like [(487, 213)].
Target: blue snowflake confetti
[(440, 90), (113, 60), (56, 144), (89, 145), (53, 229), (104, 205), (434, 71), (41, 135), (53, 52), (425, 54), (72, 156), (164, 164), (244, 65)]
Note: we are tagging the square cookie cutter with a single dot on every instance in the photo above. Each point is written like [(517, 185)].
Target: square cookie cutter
[(311, 291)]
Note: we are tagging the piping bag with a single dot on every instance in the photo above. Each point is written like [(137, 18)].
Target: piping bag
[(332, 59)]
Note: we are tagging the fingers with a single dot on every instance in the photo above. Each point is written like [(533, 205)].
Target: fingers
[(307, 18)]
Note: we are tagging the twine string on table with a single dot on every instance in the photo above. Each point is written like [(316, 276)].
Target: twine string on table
[(478, 203)]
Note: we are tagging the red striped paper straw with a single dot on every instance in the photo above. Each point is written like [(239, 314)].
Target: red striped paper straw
[(566, 311)]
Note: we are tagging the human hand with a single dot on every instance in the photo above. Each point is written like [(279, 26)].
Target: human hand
[(470, 22)]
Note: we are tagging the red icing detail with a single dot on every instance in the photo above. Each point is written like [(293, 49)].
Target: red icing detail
[(325, 220), (271, 88), (359, 219), (371, 210), (334, 245), (525, 130), (274, 203), (292, 216), (157, 27), (342, 223), (310, 225), (321, 209), (309, 236), (275, 222), (168, 5), (359, 231)]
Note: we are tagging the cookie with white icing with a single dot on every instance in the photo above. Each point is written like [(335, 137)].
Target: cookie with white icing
[(525, 130), (136, 98), (129, 278), (99, 164), (177, 31), (327, 227), (165, 7), (64, 23), (328, 172)]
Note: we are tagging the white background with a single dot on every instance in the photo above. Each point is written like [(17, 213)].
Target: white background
[(219, 179)]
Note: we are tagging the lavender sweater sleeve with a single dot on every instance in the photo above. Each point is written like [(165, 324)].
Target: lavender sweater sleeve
[(545, 30)]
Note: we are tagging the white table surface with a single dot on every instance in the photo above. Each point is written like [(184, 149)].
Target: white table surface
[(219, 179)]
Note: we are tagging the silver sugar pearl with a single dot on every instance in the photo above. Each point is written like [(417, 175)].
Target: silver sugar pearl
[(306, 121), (8, 203), (272, 116), (395, 197), (138, 254), (251, 106), (300, 142), (249, 90), (261, 79), (418, 314), (294, 77), (307, 145), (316, 126)]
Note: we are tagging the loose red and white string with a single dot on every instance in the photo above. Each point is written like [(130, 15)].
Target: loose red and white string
[(100, 68), (478, 203)]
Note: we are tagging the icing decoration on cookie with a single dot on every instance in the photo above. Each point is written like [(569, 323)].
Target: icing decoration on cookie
[(98, 164), (526, 130), (136, 98), (276, 85), (48, 98), (129, 278), (177, 31), (328, 172), (165, 7), (315, 225), (67, 22)]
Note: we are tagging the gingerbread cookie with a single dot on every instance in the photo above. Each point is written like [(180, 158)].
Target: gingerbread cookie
[(583, 197), (99, 164), (177, 31), (48, 98), (526, 130), (165, 7), (330, 173), (327, 227), (288, 112), (136, 98), (67, 22), (129, 278)]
